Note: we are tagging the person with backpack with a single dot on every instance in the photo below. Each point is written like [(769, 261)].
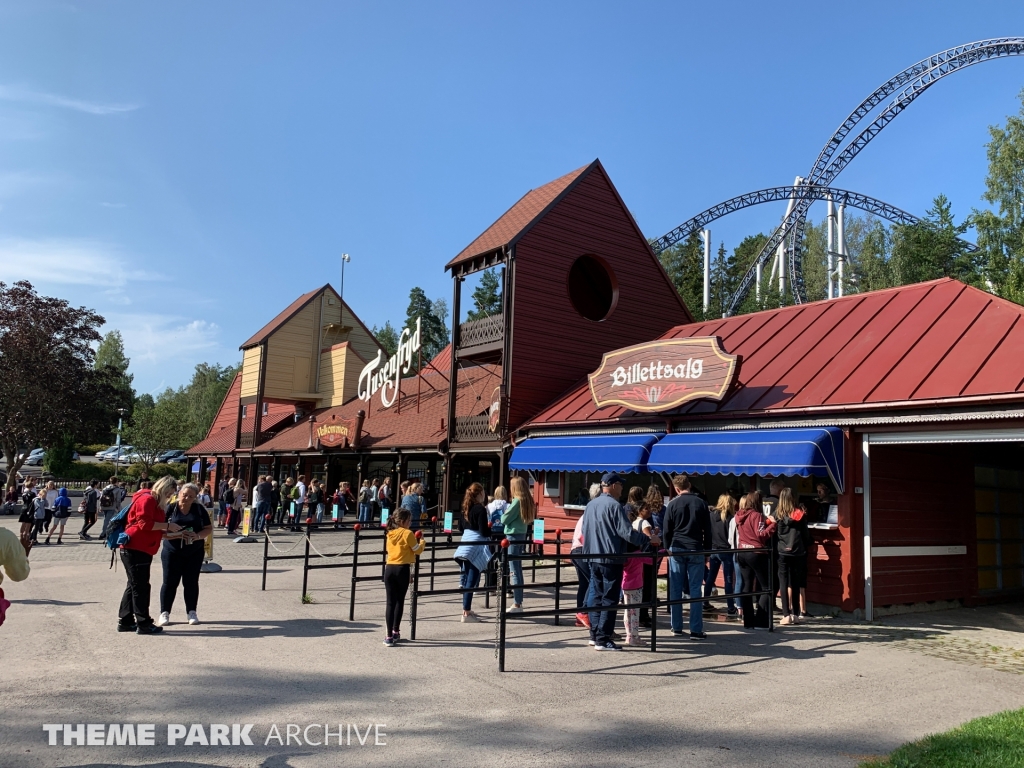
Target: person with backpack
[(182, 554), (108, 504), (794, 539), (384, 495), (39, 512), (26, 518), (365, 501), (61, 514), (145, 524), (754, 531), (90, 499)]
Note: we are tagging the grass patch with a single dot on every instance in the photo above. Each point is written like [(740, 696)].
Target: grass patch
[(307, 599), (996, 741)]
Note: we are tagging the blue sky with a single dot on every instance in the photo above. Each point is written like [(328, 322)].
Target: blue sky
[(187, 169)]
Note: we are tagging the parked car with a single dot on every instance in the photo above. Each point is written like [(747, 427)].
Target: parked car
[(107, 453), (182, 459), (168, 456), (33, 452), (35, 458)]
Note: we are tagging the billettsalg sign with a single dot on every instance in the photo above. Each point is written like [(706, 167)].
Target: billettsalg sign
[(338, 433), (661, 375)]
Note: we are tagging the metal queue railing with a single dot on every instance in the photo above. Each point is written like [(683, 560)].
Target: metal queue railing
[(652, 605)]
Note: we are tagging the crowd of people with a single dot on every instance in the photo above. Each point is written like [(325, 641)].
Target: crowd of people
[(760, 542)]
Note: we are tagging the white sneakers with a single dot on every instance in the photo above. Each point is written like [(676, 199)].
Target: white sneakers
[(515, 609), (470, 618), (165, 618)]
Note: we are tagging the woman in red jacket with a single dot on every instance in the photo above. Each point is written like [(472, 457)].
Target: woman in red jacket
[(145, 529), (754, 531)]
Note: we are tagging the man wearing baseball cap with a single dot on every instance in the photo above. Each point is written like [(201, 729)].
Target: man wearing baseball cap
[(606, 532)]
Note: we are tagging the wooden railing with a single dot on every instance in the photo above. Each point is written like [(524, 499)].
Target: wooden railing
[(477, 332), (473, 429)]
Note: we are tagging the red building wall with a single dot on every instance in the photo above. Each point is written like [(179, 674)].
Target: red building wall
[(554, 347), (922, 495)]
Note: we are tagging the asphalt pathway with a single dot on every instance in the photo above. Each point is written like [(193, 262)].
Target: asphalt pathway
[(826, 693)]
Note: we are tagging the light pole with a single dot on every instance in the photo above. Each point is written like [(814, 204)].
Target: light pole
[(344, 260), (120, 420)]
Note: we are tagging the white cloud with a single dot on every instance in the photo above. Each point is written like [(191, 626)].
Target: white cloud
[(157, 338), (114, 205), (56, 261), (25, 95)]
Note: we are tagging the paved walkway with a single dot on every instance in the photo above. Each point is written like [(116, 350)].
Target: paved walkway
[(822, 694)]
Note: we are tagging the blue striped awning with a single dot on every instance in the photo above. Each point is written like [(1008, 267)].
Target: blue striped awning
[(807, 451), (209, 465), (585, 453)]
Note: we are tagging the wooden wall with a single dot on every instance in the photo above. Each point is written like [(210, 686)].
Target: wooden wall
[(251, 371), (922, 495), (554, 347), (339, 375), (290, 354)]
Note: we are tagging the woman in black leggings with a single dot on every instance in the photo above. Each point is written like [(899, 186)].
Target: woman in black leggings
[(755, 532), (403, 548)]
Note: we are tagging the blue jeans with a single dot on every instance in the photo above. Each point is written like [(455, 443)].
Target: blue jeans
[(686, 572), (262, 510), (725, 562), (605, 587), (319, 513), (365, 512), (470, 579), (515, 567)]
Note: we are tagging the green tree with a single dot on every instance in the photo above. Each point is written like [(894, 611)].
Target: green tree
[(112, 363), (486, 297), (155, 428), (47, 380), (433, 331), (387, 337), (1001, 232), (931, 248), (684, 263)]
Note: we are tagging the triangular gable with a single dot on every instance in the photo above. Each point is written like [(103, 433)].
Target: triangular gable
[(518, 219)]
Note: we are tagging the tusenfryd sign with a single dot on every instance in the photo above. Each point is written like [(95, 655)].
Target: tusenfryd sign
[(661, 375)]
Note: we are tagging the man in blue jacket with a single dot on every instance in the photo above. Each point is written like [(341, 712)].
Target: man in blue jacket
[(606, 532)]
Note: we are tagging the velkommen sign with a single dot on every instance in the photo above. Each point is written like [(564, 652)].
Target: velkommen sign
[(661, 375), (338, 433)]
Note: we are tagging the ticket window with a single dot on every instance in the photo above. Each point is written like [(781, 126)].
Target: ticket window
[(999, 520)]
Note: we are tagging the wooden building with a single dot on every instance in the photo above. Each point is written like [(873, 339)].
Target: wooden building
[(907, 404), (913, 401)]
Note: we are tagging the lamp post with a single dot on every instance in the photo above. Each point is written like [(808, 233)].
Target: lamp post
[(120, 420), (344, 260)]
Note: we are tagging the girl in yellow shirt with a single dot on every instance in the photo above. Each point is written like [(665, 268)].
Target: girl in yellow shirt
[(403, 548)]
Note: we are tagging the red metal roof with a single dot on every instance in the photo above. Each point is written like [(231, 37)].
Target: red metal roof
[(940, 342), (386, 428), (518, 219)]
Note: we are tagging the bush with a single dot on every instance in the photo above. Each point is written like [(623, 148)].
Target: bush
[(177, 471), (92, 450), (79, 470)]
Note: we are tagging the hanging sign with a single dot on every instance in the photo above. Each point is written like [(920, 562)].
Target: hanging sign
[(338, 433), (387, 376), (661, 375), (538, 531), (448, 522), (494, 411)]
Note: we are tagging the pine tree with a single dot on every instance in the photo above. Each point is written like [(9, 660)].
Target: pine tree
[(486, 297), (387, 337), (433, 332), (684, 263)]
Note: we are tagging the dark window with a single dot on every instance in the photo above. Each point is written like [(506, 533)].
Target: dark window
[(245, 411), (592, 289), (266, 409)]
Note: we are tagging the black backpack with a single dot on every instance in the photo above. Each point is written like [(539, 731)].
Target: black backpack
[(107, 497)]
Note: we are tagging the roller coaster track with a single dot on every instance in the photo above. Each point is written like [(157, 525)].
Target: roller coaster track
[(907, 86)]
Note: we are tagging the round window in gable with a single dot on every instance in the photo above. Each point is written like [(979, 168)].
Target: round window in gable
[(592, 288)]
